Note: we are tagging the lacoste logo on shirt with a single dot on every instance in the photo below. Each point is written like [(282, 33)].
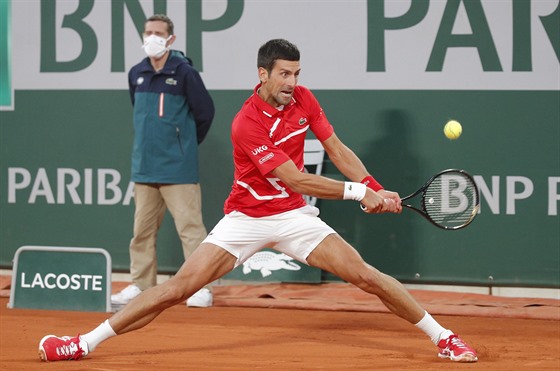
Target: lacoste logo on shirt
[(171, 81), (302, 121)]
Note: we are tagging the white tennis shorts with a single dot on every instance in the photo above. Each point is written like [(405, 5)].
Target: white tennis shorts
[(295, 233)]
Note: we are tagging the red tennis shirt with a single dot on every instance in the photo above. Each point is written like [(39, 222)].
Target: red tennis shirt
[(264, 138)]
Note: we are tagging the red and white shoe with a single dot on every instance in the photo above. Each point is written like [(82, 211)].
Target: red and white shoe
[(456, 350), (54, 348)]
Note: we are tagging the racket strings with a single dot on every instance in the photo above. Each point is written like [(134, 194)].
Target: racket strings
[(451, 200)]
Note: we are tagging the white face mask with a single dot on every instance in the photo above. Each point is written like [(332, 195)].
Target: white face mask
[(155, 46)]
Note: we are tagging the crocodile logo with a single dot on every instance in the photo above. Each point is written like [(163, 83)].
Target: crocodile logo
[(266, 262)]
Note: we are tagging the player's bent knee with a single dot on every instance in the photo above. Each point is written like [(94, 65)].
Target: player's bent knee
[(372, 281), (170, 295)]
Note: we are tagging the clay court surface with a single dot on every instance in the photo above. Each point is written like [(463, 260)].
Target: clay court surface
[(298, 327)]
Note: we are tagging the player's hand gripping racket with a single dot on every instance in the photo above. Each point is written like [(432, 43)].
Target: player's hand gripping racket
[(450, 199)]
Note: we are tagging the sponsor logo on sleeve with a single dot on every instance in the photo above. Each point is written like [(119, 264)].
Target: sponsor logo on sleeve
[(259, 150), (264, 159)]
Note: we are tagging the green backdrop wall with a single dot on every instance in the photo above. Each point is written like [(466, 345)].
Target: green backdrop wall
[(510, 142)]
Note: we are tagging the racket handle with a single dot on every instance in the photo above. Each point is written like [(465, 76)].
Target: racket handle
[(364, 208)]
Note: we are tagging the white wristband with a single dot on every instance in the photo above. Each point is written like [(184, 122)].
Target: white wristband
[(354, 191)]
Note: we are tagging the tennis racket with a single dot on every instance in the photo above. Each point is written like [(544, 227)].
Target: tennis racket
[(449, 200)]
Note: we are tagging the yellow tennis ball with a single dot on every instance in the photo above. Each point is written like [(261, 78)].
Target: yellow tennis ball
[(452, 129)]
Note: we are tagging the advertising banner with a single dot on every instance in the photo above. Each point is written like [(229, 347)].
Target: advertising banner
[(388, 74)]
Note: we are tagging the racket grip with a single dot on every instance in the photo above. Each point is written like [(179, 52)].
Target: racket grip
[(364, 208)]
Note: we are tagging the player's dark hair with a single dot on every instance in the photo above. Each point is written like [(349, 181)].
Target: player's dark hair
[(162, 18), (276, 49)]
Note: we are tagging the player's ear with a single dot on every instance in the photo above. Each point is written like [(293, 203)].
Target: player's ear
[(263, 74)]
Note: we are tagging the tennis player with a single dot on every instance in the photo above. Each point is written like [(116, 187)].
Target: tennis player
[(265, 208)]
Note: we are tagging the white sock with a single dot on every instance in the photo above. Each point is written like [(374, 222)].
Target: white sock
[(103, 332), (433, 329)]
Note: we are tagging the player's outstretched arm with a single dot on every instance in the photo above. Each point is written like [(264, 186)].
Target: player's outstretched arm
[(350, 165), (308, 184), (345, 160), (326, 188)]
